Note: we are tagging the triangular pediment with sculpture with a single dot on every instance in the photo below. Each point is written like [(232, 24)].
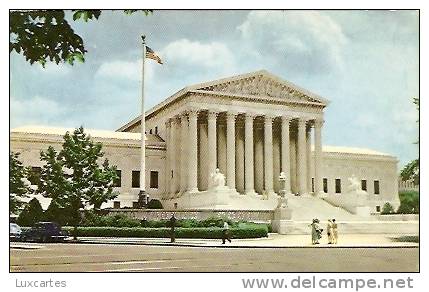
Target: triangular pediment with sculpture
[(260, 83)]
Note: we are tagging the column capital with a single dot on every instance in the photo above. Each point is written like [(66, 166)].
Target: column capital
[(302, 122), (250, 116), (318, 123), (193, 113), (286, 119), (183, 116), (231, 114), (269, 118), (212, 114)]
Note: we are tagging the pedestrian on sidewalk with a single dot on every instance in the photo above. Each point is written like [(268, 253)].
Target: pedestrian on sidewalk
[(334, 232), (225, 233), (316, 231), (330, 232), (172, 224)]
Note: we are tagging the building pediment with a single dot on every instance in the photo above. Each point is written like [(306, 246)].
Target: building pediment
[(260, 83)]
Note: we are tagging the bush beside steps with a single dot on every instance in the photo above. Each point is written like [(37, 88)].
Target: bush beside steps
[(251, 230)]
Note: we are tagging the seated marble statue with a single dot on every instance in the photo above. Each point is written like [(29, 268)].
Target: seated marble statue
[(217, 179), (354, 185)]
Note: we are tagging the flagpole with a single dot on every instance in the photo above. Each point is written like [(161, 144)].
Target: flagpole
[(142, 201)]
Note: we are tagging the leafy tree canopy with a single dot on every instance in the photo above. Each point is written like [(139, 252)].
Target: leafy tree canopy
[(73, 177), (31, 214), (17, 186), (46, 35)]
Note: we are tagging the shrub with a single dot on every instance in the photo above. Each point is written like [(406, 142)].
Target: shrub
[(57, 214), (251, 230), (31, 214), (387, 209), (91, 218), (154, 204), (410, 201)]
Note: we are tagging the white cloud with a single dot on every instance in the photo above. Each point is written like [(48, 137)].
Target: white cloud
[(38, 110), (124, 70), (213, 55), (306, 41)]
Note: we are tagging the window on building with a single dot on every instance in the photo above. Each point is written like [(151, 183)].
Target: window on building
[(364, 188), (153, 180), (338, 186), (34, 175), (135, 179), (325, 185), (156, 130), (312, 184), (377, 208), (376, 187), (116, 205), (118, 180)]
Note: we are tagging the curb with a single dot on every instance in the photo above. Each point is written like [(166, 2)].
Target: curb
[(241, 246)]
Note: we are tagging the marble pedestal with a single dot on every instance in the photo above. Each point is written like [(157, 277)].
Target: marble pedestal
[(282, 222)]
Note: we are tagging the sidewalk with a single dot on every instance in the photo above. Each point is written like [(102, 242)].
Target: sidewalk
[(273, 241)]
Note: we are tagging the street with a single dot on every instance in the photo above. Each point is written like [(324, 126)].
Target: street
[(141, 258)]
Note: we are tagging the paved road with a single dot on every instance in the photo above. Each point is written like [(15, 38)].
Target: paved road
[(139, 258)]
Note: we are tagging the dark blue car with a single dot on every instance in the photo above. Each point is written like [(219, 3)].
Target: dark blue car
[(44, 232)]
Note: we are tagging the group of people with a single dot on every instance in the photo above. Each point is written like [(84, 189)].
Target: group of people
[(316, 231)]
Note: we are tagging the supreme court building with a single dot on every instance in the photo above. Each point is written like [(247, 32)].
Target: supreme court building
[(251, 127)]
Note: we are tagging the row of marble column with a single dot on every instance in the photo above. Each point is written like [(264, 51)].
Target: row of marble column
[(183, 178)]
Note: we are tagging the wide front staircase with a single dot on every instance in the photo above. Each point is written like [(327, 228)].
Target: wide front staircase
[(306, 208)]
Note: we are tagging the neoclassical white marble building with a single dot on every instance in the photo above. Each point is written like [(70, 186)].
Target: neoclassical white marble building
[(251, 127)]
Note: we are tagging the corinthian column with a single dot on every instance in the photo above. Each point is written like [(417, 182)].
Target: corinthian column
[(183, 152), (286, 169), (248, 156), (167, 158), (230, 149), (211, 147), (173, 155), (193, 152), (301, 159), (318, 186), (308, 156), (268, 155)]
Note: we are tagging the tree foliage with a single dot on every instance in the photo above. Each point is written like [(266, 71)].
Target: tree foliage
[(411, 171), (31, 214), (46, 35), (410, 202), (73, 177), (17, 187)]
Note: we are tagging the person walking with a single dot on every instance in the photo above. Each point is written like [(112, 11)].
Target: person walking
[(172, 223), (225, 232), (316, 232), (334, 232), (330, 232)]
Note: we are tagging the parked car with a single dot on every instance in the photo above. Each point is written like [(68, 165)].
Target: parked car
[(15, 232), (45, 232)]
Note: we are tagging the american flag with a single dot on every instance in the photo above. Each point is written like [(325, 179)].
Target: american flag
[(151, 55)]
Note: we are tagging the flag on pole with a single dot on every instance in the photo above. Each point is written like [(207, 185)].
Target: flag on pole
[(150, 54)]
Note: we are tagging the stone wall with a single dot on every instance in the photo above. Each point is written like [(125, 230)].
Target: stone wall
[(249, 215)]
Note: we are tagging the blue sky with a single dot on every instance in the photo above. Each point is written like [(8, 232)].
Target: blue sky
[(365, 62)]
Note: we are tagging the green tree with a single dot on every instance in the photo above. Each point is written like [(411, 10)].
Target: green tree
[(411, 171), (410, 201), (46, 35), (73, 177), (104, 179), (31, 214), (57, 213), (17, 187)]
